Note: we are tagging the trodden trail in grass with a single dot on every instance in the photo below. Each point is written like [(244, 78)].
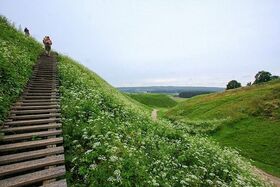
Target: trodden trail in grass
[(270, 178), (154, 114)]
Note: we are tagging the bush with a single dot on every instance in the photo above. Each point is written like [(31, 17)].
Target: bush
[(262, 76), (233, 84)]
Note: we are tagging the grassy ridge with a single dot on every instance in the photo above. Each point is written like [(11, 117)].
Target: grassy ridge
[(111, 141), (247, 119), (18, 54), (154, 100)]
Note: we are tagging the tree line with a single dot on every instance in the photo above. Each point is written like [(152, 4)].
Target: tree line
[(260, 77)]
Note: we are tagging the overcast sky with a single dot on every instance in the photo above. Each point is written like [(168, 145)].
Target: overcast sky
[(159, 42)]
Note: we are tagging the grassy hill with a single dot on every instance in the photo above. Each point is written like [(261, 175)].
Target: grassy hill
[(110, 140), (247, 119), (154, 100)]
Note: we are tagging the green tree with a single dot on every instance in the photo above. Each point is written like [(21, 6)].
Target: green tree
[(262, 76), (233, 84)]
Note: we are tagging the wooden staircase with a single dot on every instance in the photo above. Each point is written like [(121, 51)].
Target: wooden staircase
[(31, 150)]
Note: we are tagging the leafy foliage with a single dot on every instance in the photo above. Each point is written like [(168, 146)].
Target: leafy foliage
[(18, 54), (110, 141), (233, 84), (262, 76)]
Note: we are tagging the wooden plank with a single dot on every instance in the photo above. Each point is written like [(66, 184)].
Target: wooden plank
[(29, 128), (32, 122), (39, 100), (6, 159), (32, 164), (35, 111), (35, 107), (40, 94), (40, 90), (42, 116), (30, 144), (34, 177), (25, 136)]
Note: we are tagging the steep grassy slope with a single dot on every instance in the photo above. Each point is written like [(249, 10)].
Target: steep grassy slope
[(154, 100), (17, 57), (110, 141), (247, 119)]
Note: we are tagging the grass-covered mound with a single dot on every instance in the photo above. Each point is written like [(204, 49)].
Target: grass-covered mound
[(247, 119), (154, 100), (111, 141), (18, 54)]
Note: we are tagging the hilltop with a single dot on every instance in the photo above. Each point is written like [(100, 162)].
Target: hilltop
[(247, 119), (109, 139)]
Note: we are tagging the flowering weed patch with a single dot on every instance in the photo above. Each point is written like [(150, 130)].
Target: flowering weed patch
[(111, 141)]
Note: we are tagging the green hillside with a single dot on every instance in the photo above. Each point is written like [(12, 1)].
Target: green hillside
[(18, 54), (110, 140), (247, 119), (154, 100)]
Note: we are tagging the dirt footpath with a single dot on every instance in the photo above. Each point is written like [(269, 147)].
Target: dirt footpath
[(154, 114), (270, 178)]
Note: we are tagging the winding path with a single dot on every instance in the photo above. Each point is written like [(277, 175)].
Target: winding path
[(154, 114)]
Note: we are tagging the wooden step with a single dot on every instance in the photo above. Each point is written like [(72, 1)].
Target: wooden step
[(35, 111), (36, 89), (41, 90), (32, 164), (60, 183), (38, 100), (32, 122), (36, 104), (34, 107), (40, 94), (30, 135), (34, 177), (11, 158), (50, 86), (43, 83), (30, 144), (41, 97), (38, 116), (31, 128)]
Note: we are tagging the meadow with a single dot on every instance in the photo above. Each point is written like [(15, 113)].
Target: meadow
[(246, 119)]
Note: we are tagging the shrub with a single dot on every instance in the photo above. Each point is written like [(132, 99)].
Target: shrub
[(262, 76), (233, 84)]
